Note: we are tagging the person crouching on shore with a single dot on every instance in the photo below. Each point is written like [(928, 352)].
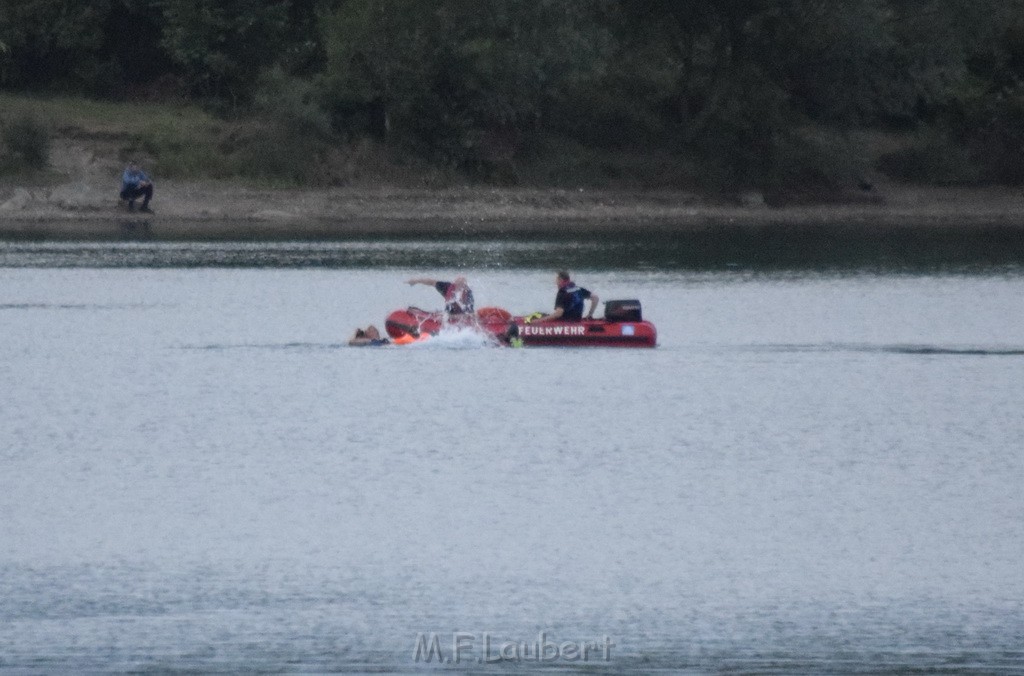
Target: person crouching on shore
[(135, 184)]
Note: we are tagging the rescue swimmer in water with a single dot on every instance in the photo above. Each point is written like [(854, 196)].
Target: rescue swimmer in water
[(370, 336)]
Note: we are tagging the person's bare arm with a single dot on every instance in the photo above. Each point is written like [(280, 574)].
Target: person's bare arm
[(593, 304), (421, 280)]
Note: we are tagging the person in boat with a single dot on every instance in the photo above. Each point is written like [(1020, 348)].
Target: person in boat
[(369, 336), (458, 297), (569, 301)]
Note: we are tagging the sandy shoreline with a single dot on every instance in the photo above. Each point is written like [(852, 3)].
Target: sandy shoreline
[(87, 209)]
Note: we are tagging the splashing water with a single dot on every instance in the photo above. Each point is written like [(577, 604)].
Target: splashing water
[(452, 337)]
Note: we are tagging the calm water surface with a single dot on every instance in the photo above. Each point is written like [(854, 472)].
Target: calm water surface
[(819, 469)]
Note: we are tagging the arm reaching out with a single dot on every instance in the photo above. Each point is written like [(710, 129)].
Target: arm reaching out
[(554, 316), (593, 303), (421, 280)]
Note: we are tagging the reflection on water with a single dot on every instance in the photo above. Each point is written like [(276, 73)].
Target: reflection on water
[(906, 249)]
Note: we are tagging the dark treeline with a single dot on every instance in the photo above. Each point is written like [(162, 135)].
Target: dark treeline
[(754, 92)]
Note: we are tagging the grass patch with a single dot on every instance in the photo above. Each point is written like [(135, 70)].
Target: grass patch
[(286, 142), (931, 157), (178, 141), (175, 151), (24, 145), (105, 118)]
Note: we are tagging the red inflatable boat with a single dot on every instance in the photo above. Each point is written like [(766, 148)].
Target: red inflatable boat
[(623, 326)]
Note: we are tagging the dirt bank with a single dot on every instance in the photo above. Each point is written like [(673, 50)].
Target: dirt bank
[(80, 202)]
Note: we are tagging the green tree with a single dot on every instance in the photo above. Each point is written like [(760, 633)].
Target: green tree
[(836, 62), (134, 56), (288, 132), (222, 47), (457, 80), (5, 53), (51, 41), (703, 42), (722, 99), (986, 113), (741, 77), (303, 53)]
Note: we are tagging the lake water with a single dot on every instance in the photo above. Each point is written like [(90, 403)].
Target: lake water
[(819, 469)]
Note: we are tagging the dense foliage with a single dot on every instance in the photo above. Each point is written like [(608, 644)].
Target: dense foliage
[(24, 144), (739, 86)]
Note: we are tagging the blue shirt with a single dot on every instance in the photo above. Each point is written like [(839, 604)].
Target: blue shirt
[(132, 177), (570, 298)]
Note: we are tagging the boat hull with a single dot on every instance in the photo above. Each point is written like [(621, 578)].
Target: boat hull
[(412, 324), (587, 333)]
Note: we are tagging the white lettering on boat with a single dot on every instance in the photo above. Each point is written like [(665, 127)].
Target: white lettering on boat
[(542, 330)]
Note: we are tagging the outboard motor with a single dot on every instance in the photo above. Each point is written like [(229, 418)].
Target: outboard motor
[(623, 311)]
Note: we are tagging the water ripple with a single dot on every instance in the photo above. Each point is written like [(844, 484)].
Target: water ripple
[(907, 349)]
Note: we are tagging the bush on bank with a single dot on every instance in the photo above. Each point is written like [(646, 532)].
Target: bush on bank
[(24, 145)]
